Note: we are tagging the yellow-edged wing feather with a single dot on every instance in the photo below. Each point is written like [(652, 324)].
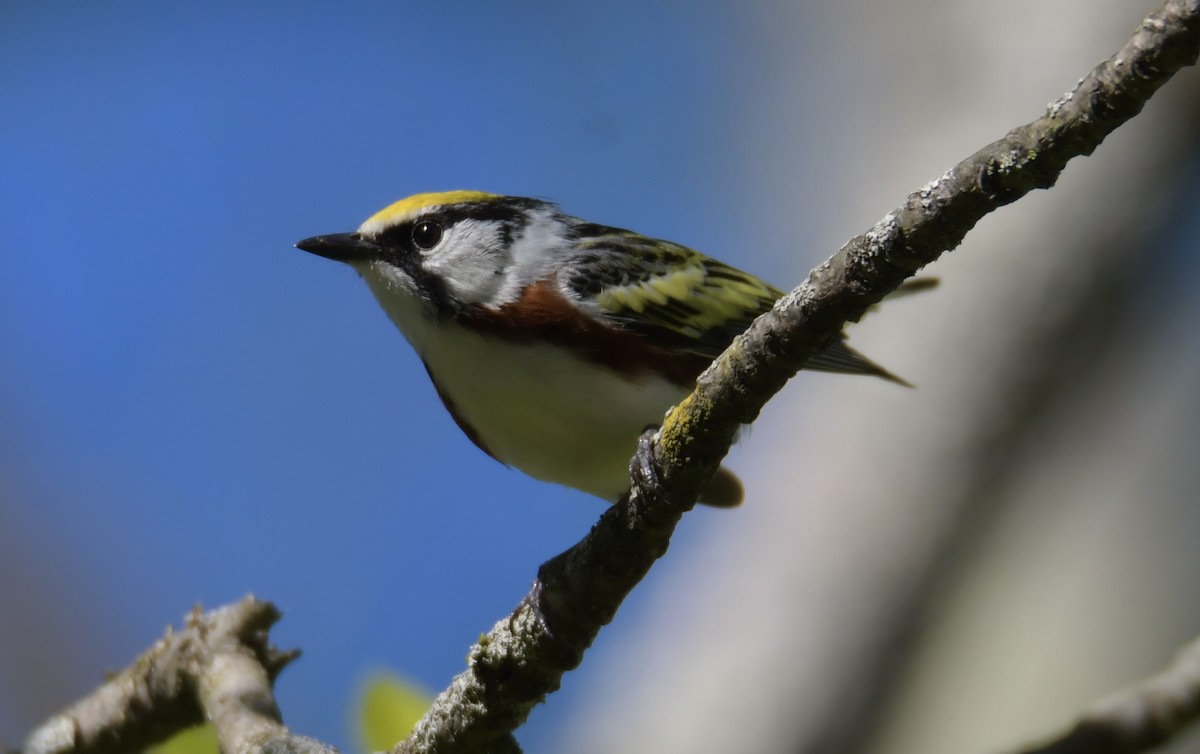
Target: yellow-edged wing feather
[(680, 299)]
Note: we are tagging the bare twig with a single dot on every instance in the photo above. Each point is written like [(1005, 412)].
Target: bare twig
[(524, 656), (1141, 718), (220, 667), (234, 677)]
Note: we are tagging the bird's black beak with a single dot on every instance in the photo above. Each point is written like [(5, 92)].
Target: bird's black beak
[(341, 247)]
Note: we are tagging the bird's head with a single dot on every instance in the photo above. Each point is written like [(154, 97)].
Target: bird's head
[(451, 250)]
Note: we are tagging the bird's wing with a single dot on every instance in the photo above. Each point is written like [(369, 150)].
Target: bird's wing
[(679, 299), (674, 297)]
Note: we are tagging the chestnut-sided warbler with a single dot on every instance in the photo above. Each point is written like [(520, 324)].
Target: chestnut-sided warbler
[(552, 341)]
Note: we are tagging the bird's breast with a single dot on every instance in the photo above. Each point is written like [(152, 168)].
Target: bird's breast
[(544, 409), (544, 388)]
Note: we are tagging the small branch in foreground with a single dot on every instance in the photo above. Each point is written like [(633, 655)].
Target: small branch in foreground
[(578, 592), (220, 667), (1141, 718), (234, 679)]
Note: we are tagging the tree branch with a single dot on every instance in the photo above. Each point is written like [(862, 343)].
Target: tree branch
[(219, 668), (1144, 717), (524, 656)]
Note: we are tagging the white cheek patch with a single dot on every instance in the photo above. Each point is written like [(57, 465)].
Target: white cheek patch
[(475, 262), (472, 261)]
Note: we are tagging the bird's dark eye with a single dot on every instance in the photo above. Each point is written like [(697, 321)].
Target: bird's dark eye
[(426, 234)]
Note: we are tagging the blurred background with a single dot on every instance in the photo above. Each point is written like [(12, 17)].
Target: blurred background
[(191, 409)]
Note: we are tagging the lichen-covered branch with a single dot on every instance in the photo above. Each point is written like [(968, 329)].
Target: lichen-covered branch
[(220, 667), (576, 593), (1139, 719)]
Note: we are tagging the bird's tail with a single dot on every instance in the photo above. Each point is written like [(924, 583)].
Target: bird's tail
[(842, 359)]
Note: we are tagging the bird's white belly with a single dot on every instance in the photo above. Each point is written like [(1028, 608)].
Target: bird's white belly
[(538, 407), (546, 411)]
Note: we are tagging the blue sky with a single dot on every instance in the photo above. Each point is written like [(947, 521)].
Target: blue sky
[(191, 409)]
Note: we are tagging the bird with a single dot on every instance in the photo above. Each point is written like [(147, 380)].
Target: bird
[(552, 341)]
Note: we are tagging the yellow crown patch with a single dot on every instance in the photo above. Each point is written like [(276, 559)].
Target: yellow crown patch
[(405, 208)]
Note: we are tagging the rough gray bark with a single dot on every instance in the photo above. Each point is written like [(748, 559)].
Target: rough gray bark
[(219, 668)]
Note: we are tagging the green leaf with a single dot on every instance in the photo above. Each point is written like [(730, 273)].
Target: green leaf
[(390, 706), (199, 740)]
